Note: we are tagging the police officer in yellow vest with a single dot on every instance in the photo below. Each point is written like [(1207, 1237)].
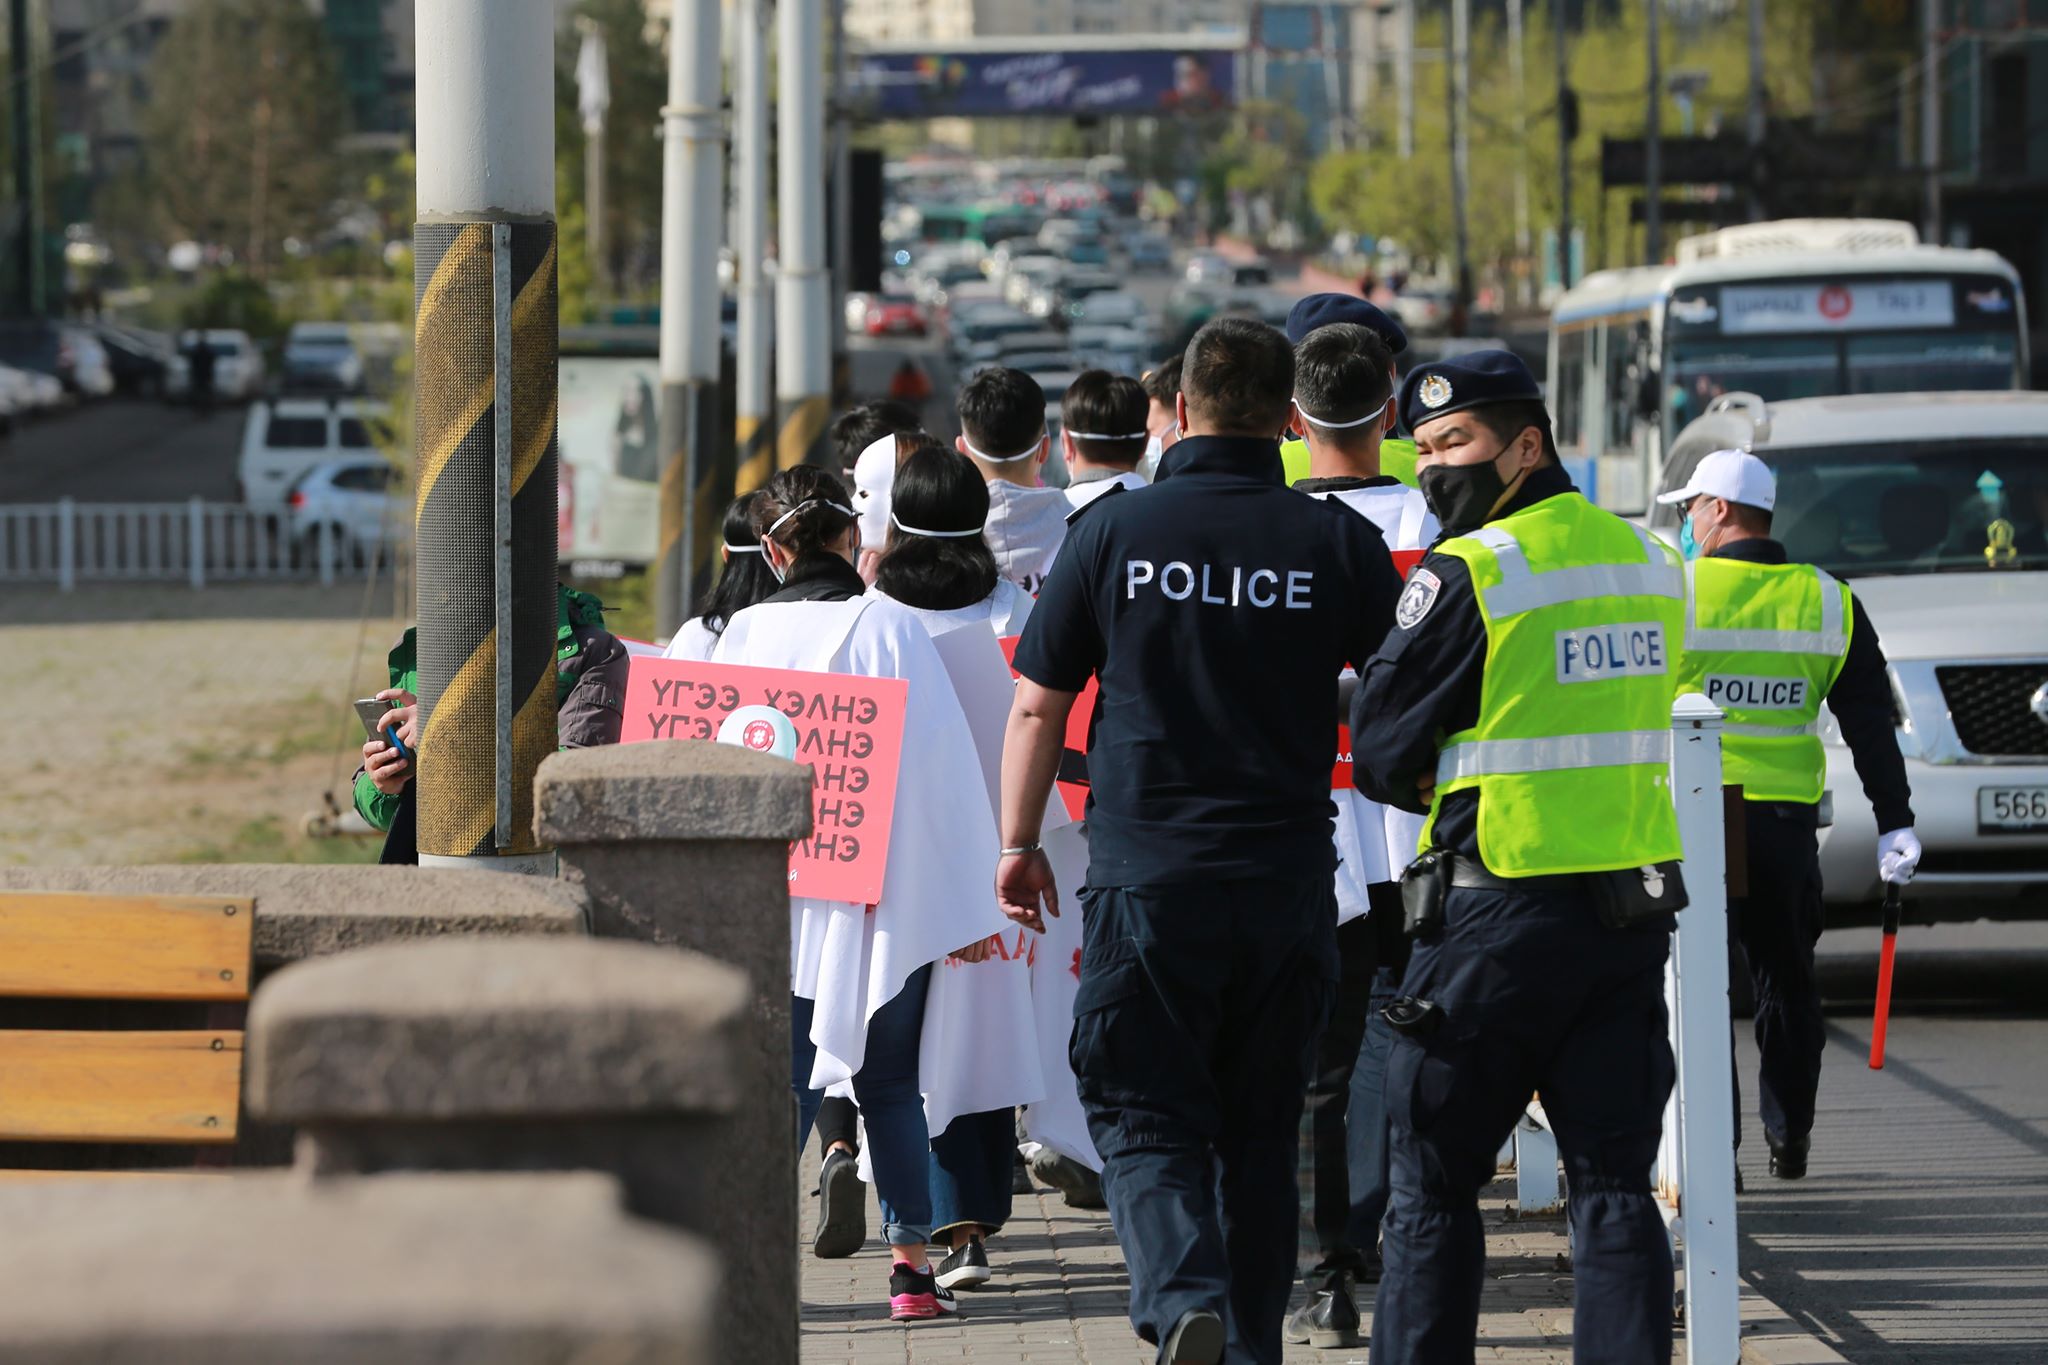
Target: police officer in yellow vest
[(1768, 642), (1524, 700), (1314, 311)]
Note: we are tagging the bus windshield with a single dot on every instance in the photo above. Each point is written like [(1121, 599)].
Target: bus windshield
[(1959, 506)]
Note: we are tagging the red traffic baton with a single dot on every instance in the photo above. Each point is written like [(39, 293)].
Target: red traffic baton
[(1884, 975)]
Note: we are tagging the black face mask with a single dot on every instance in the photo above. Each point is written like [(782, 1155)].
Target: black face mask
[(1461, 495)]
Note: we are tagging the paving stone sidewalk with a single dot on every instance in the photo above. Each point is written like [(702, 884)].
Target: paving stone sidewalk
[(1059, 1298)]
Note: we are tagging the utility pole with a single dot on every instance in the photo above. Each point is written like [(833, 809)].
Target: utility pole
[(755, 427), (803, 307), (1404, 79), (1520, 93), (841, 204), (1756, 100), (692, 213), (28, 169), (1461, 159), (1653, 158), (484, 391), (1930, 114), (593, 101), (1567, 128)]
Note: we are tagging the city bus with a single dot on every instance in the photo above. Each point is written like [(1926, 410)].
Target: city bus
[(981, 225), (1804, 308)]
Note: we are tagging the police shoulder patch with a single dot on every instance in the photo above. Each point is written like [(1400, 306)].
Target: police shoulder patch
[(1417, 598)]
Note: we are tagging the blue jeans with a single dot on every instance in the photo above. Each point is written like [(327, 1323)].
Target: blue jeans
[(885, 1087), (971, 1164)]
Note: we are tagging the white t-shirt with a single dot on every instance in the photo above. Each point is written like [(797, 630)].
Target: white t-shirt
[(1375, 842)]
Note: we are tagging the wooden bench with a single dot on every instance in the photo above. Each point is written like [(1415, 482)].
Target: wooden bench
[(122, 1084)]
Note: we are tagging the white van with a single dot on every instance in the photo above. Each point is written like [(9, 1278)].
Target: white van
[(285, 438)]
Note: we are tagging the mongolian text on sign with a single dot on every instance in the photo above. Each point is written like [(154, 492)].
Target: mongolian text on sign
[(849, 729)]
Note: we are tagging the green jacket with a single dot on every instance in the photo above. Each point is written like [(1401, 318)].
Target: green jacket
[(590, 689)]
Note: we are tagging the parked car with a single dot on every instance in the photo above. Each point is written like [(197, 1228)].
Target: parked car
[(63, 351), (1934, 508), (141, 360), (986, 326), (1088, 252), (285, 438), (1425, 308), (32, 392), (357, 500), (238, 367), (320, 357), (1108, 308), (17, 397)]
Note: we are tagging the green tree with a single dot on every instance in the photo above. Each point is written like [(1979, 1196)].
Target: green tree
[(638, 76), (241, 133)]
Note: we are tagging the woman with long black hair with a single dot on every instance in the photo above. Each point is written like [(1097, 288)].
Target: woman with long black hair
[(744, 580), (860, 974)]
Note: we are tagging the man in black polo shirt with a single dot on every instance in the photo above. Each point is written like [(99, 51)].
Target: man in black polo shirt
[(1217, 609)]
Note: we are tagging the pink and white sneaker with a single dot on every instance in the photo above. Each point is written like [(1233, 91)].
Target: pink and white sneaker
[(913, 1294)]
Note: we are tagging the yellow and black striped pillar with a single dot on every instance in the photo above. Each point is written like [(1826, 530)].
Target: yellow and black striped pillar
[(800, 430), (484, 428)]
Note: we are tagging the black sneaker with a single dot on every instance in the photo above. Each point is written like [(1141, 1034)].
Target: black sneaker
[(1081, 1186), (1020, 1176), (943, 1297), (1788, 1158), (966, 1268), (1328, 1321), (842, 1208), (912, 1294), (1197, 1339)]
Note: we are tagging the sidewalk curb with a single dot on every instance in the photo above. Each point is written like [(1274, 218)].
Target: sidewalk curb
[(1770, 1336)]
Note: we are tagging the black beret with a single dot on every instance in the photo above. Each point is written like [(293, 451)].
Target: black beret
[(1470, 381), (1321, 310)]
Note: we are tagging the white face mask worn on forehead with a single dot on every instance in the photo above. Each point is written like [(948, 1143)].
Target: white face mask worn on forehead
[(776, 525), (935, 535), (1024, 454)]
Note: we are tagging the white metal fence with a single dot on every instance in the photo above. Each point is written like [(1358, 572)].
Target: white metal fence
[(1696, 1161), (197, 542)]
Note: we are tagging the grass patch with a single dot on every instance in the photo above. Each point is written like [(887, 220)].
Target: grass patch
[(267, 841), (278, 734)]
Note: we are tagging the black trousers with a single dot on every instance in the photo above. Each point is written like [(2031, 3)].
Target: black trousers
[(1194, 1033), (1344, 1132), (1536, 995), (1778, 923)]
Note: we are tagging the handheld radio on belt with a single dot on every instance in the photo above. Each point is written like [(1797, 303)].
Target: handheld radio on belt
[(1884, 975)]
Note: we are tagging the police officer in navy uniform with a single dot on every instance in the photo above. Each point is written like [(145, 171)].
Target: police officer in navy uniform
[(1769, 641), (1523, 699), (1217, 609)]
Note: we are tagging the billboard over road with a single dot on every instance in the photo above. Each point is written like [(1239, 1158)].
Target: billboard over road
[(1069, 84)]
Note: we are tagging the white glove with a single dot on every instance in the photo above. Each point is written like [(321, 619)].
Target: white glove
[(1898, 854)]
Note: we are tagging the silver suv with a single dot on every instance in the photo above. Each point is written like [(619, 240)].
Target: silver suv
[(1934, 506)]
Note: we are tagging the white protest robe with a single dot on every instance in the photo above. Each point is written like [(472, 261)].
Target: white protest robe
[(693, 641), (1375, 842), (847, 959), (973, 1024)]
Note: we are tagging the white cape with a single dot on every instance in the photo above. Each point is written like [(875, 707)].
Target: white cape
[(978, 1020), (936, 899), (1375, 842)]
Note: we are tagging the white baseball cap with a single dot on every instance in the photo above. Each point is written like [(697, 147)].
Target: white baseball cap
[(1735, 475)]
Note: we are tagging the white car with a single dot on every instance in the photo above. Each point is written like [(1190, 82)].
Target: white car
[(26, 393), (1934, 508), (356, 501), (321, 357), (237, 366), (284, 439)]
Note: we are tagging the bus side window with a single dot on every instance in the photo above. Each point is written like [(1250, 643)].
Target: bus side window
[(1620, 384), (1568, 402)]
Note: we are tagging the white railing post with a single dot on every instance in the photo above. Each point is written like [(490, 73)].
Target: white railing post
[(67, 545), (195, 524), (1699, 1164)]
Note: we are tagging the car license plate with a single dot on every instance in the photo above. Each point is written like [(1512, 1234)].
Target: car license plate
[(2012, 809)]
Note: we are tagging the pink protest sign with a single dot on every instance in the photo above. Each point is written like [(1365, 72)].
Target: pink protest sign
[(849, 729)]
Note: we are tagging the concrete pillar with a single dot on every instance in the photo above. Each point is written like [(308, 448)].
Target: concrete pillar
[(755, 425), (402, 1270), (688, 845), (692, 211), (803, 284), (485, 401)]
